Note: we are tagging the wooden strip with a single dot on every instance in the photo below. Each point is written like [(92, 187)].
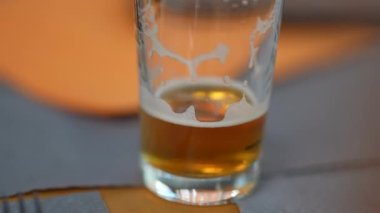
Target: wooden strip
[(138, 199)]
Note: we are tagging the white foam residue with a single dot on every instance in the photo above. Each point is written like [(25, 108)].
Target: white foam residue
[(238, 113), (150, 29), (226, 79), (263, 27), (159, 105), (241, 109), (189, 114)]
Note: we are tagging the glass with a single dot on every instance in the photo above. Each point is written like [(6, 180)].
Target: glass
[(206, 69)]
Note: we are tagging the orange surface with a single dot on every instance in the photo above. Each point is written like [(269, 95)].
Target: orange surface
[(138, 199), (75, 54), (142, 201), (304, 46), (80, 55)]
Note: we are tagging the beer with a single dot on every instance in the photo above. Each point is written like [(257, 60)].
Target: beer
[(206, 70), (209, 141)]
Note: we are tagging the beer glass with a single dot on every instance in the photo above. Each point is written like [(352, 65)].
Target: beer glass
[(206, 69)]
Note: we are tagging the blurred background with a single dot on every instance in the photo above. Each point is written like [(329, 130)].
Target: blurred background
[(69, 92), (80, 55)]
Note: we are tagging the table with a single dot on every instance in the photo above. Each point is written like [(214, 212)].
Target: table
[(316, 176), (321, 149)]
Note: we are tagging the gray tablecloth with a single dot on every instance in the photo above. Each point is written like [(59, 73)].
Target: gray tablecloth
[(321, 148), (89, 202), (330, 10)]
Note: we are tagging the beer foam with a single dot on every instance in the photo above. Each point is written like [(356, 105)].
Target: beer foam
[(263, 26), (237, 113), (150, 29)]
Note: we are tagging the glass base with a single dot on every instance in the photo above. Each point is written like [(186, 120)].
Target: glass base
[(200, 191)]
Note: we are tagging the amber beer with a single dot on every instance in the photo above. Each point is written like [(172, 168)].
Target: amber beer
[(208, 147)]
